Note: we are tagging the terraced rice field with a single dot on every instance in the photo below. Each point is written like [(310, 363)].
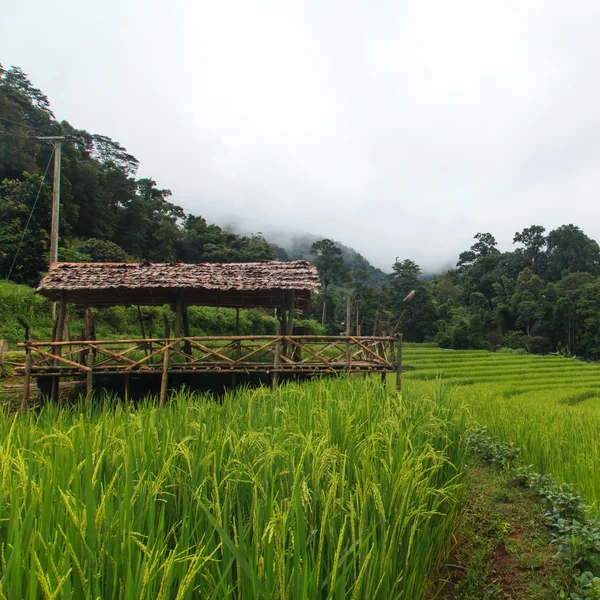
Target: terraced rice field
[(549, 406)]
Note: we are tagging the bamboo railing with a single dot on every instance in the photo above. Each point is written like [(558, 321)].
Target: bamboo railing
[(274, 354)]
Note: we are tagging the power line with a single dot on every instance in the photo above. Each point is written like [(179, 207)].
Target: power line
[(13, 134), (23, 124), (30, 216)]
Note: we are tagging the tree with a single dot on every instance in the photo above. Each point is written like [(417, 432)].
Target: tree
[(17, 199), (330, 266), (571, 251), (104, 251), (527, 300), (485, 245), (534, 242), (420, 315)]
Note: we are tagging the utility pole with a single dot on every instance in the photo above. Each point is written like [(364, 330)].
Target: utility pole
[(57, 141)]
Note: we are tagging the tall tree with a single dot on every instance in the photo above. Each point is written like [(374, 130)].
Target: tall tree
[(571, 251), (330, 265), (420, 315)]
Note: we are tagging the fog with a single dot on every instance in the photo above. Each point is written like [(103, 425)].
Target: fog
[(398, 128)]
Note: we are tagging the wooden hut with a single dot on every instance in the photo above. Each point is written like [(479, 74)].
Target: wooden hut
[(283, 286)]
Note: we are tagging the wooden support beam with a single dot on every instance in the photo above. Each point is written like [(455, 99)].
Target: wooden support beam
[(276, 359), (348, 320), (3, 349), (187, 347), (399, 363), (289, 323), (60, 324), (26, 384), (165, 378), (167, 324), (178, 314), (89, 377), (238, 348), (139, 311)]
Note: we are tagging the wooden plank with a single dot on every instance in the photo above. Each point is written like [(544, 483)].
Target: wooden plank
[(210, 338), (56, 358), (146, 358), (364, 347), (210, 351)]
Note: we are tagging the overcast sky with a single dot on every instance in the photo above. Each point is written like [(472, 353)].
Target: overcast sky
[(400, 128)]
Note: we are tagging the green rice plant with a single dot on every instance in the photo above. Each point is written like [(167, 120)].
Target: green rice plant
[(334, 488), (548, 406)]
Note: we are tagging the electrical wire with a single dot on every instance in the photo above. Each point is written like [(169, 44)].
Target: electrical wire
[(30, 216), (23, 124)]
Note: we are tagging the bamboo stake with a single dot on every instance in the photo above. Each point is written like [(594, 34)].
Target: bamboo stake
[(26, 384), (276, 357), (89, 377), (399, 363), (139, 310), (348, 319), (60, 323), (164, 379)]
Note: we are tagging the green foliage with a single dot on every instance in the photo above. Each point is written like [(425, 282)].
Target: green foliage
[(20, 301), (576, 535), (17, 198), (103, 251)]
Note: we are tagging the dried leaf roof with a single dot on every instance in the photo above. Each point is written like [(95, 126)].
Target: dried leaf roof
[(153, 283)]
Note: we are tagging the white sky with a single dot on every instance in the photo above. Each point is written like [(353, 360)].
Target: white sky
[(398, 128)]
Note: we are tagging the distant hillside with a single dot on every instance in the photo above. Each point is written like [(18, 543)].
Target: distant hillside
[(298, 248)]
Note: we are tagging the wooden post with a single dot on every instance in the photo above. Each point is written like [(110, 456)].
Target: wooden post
[(28, 361), (57, 350), (348, 319), (289, 331), (165, 366), (3, 348), (238, 345), (26, 383), (358, 299), (178, 314), (164, 379), (89, 379), (167, 324), (276, 360), (139, 310), (399, 363), (187, 347)]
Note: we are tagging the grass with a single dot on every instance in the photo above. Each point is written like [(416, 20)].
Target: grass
[(503, 548), (329, 489)]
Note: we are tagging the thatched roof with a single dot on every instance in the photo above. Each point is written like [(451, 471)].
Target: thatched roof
[(266, 283)]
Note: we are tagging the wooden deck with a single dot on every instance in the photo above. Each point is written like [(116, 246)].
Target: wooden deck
[(275, 355)]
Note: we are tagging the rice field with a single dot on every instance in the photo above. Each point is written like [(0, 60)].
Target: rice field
[(549, 406), (327, 489)]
